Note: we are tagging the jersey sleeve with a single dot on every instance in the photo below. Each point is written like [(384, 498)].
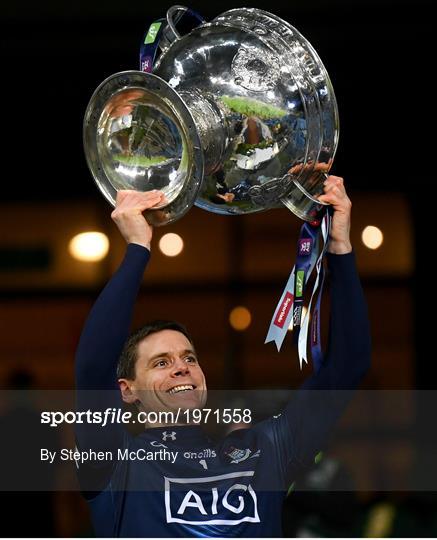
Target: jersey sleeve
[(103, 337), (300, 432)]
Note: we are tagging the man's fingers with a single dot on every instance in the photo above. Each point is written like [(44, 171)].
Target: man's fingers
[(329, 199), (336, 200), (334, 181), (149, 201), (322, 166), (332, 196), (335, 192), (132, 203), (334, 187), (131, 199)]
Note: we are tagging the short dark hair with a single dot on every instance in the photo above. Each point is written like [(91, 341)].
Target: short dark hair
[(128, 357)]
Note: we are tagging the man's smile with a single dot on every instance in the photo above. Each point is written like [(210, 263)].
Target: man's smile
[(181, 388)]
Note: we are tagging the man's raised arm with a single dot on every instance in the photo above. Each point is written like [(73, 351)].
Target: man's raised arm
[(348, 355), (302, 429), (108, 323)]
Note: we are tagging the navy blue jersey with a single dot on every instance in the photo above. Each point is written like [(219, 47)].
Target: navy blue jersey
[(176, 481)]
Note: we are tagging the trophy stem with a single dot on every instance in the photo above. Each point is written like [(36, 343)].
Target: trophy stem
[(211, 127)]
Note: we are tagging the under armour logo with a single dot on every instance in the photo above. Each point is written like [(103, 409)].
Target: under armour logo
[(171, 435)]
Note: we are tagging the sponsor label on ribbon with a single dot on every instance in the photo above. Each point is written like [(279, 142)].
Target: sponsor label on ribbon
[(152, 33), (283, 310), (149, 46), (300, 282), (305, 246)]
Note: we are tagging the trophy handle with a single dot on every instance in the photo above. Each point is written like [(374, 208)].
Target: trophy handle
[(162, 33), (304, 204), (173, 17)]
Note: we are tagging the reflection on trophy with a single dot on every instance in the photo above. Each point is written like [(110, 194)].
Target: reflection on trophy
[(238, 116)]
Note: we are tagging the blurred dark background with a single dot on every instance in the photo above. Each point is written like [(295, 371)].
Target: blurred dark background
[(379, 57)]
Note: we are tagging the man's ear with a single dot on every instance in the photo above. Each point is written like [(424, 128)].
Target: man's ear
[(127, 392)]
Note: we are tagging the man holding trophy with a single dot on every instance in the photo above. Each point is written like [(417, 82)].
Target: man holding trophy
[(159, 369), (238, 117)]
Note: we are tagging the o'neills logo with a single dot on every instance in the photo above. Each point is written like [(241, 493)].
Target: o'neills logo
[(283, 310)]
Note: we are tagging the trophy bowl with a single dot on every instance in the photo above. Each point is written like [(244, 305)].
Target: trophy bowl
[(238, 116)]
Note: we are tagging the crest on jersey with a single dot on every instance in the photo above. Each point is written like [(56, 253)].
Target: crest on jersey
[(237, 454)]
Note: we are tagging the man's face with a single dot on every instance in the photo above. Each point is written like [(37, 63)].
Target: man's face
[(168, 375)]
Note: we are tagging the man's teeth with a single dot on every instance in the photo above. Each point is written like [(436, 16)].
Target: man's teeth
[(182, 388)]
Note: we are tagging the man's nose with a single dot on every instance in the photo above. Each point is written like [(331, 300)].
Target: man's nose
[(180, 367)]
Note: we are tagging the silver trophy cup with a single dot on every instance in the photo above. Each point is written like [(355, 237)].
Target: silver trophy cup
[(238, 116)]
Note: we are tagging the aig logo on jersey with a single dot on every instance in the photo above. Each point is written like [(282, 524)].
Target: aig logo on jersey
[(227, 499)]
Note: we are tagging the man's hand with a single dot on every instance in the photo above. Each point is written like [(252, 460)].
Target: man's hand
[(335, 194), (128, 215)]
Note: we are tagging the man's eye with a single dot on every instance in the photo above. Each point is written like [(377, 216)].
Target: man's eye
[(191, 359), (161, 363)]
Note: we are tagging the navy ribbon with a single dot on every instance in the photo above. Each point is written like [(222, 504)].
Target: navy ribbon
[(290, 307), (315, 337), (306, 246)]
